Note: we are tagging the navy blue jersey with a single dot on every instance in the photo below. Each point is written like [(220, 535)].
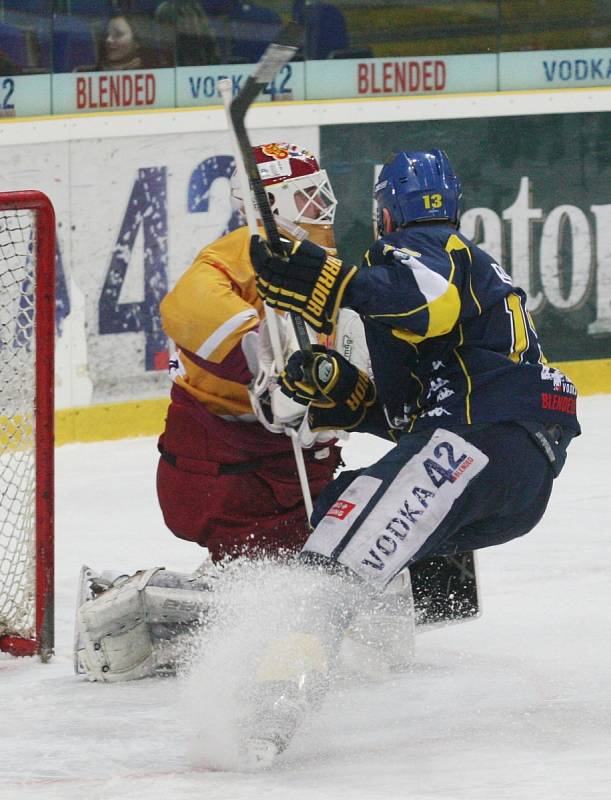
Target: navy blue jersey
[(450, 338)]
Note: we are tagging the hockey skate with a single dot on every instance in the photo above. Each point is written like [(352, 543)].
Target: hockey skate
[(280, 708), (292, 679), (381, 637), (294, 670)]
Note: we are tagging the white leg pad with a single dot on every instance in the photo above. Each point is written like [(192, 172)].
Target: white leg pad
[(116, 630)]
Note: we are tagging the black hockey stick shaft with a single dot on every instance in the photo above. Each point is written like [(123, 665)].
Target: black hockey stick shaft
[(271, 62)]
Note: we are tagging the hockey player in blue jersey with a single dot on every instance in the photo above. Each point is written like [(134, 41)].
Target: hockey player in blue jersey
[(458, 380)]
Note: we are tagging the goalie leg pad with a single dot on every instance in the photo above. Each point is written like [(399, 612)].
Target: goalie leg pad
[(122, 632)]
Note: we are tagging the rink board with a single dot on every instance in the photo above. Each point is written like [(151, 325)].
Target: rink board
[(138, 195)]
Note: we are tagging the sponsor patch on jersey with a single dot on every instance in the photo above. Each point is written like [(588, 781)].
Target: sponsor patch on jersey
[(412, 507), (338, 521), (559, 402), (340, 509)]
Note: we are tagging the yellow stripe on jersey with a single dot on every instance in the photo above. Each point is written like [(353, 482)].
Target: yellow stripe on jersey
[(443, 315), (444, 311), (466, 374), (456, 243), (442, 303), (519, 327), (531, 327), (421, 392)]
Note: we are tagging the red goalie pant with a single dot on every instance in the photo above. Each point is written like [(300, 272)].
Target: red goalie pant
[(233, 486)]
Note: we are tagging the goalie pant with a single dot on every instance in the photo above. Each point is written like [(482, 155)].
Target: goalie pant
[(233, 486), (437, 492)]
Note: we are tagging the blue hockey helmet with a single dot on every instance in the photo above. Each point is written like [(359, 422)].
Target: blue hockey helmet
[(415, 187)]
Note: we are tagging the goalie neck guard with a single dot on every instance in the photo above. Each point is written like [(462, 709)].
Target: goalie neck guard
[(298, 190)]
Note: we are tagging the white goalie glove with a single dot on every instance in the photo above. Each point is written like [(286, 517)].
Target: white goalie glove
[(273, 408)]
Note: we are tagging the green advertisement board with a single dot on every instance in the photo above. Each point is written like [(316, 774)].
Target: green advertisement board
[(537, 197)]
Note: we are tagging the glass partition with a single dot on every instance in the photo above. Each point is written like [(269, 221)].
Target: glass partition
[(66, 56)]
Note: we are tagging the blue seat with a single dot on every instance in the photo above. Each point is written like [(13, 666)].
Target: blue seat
[(73, 44), (325, 26), (249, 30), (91, 8), (216, 7), (29, 6), (28, 37), (146, 6), (14, 44)]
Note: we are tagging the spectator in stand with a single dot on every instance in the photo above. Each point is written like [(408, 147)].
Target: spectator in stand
[(125, 44), (195, 42)]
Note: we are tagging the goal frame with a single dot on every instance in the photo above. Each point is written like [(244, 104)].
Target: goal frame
[(44, 440)]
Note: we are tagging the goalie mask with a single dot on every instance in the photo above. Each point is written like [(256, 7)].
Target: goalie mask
[(298, 190)]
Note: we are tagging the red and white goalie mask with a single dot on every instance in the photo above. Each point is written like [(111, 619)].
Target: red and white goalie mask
[(298, 190)]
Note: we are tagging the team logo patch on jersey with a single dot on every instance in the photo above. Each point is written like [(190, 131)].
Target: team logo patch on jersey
[(340, 509)]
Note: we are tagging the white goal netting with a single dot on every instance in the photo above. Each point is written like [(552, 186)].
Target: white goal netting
[(17, 424)]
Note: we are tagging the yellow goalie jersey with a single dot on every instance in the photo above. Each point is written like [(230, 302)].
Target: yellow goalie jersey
[(212, 306)]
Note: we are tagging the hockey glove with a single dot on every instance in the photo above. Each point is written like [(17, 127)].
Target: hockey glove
[(339, 394), (305, 280)]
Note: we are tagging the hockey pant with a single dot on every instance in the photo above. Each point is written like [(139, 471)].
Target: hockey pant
[(221, 489), (439, 492)]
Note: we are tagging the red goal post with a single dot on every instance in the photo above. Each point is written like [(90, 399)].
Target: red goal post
[(27, 334)]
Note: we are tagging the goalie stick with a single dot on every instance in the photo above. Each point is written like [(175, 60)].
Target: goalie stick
[(271, 62)]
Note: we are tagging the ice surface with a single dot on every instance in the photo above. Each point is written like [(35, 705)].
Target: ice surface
[(514, 705)]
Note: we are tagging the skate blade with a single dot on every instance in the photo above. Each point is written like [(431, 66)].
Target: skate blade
[(259, 754)]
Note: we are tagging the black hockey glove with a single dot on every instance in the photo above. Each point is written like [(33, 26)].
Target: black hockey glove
[(339, 394), (305, 280)]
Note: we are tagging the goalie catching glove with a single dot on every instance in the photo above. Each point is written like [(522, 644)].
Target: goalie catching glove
[(305, 280), (338, 393)]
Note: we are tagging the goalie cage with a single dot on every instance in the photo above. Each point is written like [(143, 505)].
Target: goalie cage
[(27, 327)]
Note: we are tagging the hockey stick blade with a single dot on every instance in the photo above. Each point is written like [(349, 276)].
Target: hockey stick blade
[(273, 59)]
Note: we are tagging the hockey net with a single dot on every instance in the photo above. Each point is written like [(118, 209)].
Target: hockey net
[(27, 324)]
